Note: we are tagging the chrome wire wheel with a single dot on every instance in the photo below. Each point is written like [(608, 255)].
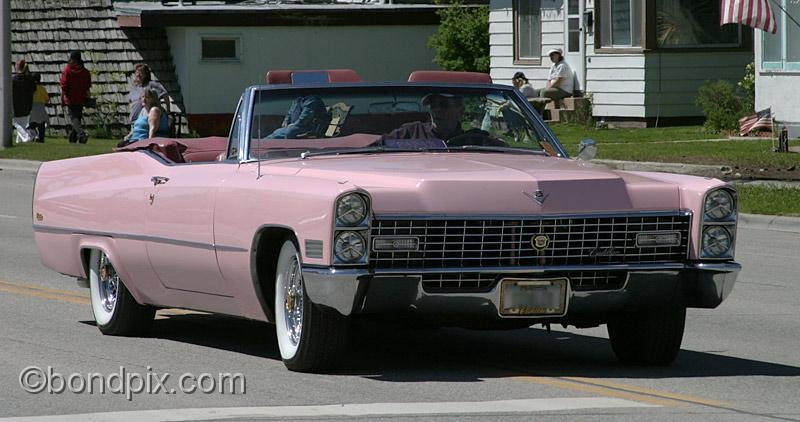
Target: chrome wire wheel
[(115, 310), (293, 300), (310, 338), (108, 284)]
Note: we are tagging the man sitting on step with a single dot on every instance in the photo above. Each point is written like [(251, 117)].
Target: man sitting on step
[(561, 81)]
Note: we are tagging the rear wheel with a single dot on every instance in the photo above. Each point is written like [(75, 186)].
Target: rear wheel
[(648, 337), (310, 337), (115, 310)]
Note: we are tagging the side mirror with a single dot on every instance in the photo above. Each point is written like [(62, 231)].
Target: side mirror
[(587, 149)]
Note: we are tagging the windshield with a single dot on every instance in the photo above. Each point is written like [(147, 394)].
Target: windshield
[(341, 120)]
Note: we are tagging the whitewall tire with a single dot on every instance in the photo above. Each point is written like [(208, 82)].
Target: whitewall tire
[(115, 310), (310, 337)]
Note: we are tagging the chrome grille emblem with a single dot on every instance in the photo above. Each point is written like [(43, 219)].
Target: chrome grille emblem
[(540, 242), (539, 197)]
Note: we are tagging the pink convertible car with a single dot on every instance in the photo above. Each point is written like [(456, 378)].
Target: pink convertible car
[(444, 199)]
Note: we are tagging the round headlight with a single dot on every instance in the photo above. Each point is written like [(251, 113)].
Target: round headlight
[(719, 205), (717, 242), (349, 246), (351, 210)]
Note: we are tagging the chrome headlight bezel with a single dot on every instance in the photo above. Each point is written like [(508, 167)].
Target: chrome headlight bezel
[(350, 210), (717, 198), (359, 226), (718, 232), (353, 239), (726, 221)]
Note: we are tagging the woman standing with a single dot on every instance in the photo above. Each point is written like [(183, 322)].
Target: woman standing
[(152, 121), (75, 84), (22, 89)]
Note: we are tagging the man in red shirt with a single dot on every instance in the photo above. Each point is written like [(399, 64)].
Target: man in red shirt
[(75, 84)]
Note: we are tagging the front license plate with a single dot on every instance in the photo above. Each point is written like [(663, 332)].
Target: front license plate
[(533, 297)]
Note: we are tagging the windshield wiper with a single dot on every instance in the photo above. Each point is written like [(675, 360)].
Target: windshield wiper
[(365, 150), (483, 148)]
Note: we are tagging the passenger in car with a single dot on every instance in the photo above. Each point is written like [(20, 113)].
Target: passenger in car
[(152, 121), (307, 118), (447, 113)]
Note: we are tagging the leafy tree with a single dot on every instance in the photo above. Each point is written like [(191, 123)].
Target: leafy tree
[(462, 40)]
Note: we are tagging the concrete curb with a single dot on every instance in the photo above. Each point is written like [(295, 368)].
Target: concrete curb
[(770, 222), (694, 169), (20, 165)]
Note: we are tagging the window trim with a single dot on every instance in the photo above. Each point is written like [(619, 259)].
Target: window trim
[(649, 36), (783, 65), (517, 60), (598, 25), (236, 38)]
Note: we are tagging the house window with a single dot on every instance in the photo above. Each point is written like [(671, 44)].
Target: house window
[(528, 32), (219, 48), (621, 23), (693, 24), (781, 51)]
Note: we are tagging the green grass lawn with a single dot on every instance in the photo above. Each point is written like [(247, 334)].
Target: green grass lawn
[(58, 148), (570, 134), (750, 158), (769, 200)]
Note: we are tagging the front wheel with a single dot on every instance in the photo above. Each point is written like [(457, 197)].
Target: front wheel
[(310, 337), (650, 337), (115, 310)]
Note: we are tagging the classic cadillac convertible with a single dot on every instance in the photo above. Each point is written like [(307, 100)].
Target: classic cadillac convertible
[(445, 199)]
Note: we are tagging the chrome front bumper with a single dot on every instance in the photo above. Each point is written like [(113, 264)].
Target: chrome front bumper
[(349, 291)]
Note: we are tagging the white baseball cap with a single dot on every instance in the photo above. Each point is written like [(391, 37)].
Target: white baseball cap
[(555, 50)]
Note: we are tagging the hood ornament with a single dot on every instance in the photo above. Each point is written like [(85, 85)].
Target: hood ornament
[(539, 197)]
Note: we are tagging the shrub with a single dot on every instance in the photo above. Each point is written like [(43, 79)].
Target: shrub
[(748, 84), (462, 40), (722, 104)]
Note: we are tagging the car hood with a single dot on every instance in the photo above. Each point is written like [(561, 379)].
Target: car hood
[(481, 183)]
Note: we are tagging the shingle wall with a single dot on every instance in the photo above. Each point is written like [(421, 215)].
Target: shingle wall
[(43, 32)]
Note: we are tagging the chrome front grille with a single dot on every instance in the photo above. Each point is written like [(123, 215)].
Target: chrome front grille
[(573, 240), (485, 282)]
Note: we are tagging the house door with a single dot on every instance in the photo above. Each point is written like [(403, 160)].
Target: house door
[(575, 41)]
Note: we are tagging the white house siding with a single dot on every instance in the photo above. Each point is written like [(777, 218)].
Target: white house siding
[(377, 53), (673, 78), (617, 84), (778, 90), (501, 41), (636, 85), (616, 81)]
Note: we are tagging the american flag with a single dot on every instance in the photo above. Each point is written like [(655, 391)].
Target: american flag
[(755, 13), (760, 120)]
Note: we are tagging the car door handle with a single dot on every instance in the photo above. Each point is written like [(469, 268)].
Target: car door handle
[(159, 180)]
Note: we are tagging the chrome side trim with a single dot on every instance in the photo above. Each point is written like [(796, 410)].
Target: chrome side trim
[(130, 236)]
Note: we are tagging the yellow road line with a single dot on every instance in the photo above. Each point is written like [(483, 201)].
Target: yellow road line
[(44, 292), (649, 391), (594, 388)]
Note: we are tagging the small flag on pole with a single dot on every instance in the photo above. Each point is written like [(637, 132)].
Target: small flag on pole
[(755, 13), (760, 120)]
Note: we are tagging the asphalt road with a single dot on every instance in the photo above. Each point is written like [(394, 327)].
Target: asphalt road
[(739, 362)]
